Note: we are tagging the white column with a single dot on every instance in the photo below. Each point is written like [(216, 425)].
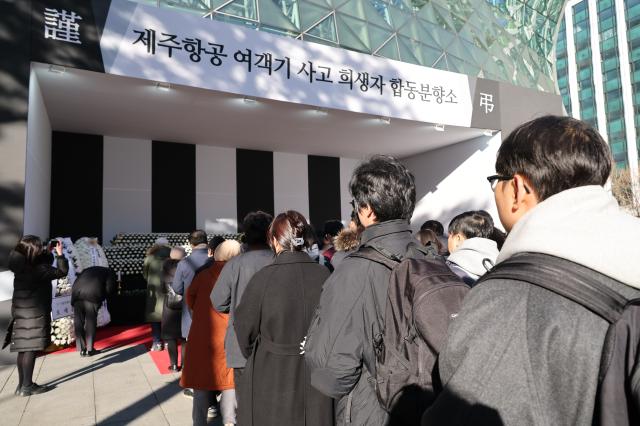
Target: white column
[(627, 95), (37, 189), (126, 194), (596, 59), (290, 183), (572, 67), (216, 191)]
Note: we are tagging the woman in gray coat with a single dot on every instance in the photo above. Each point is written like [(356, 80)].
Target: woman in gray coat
[(271, 322)]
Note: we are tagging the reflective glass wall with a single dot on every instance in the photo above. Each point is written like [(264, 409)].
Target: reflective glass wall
[(610, 60)]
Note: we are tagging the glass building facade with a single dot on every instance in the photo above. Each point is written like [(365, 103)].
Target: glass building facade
[(504, 40), (598, 70)]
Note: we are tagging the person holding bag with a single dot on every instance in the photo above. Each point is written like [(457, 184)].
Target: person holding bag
[(30, 329)]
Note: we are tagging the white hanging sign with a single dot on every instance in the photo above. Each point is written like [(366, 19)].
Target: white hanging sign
[(166, 46)]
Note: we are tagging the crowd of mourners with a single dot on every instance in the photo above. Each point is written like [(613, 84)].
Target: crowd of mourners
[(373, 324)]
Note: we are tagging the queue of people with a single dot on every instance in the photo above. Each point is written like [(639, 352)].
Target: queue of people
[(375, 325)]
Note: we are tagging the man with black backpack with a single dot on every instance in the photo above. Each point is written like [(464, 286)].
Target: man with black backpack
[(373, 356), (547, 337)]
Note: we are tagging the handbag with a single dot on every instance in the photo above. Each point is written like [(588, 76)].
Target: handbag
[(173, 299)]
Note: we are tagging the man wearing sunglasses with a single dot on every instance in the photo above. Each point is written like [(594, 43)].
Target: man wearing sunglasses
[(519, 353)]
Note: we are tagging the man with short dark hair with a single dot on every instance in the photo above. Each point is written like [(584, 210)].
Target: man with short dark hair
[(186, 270), (473, 253), (517, 353), (339, 347)]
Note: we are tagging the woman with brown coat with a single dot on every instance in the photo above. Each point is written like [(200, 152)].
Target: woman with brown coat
[(205, 366), (271, 322)]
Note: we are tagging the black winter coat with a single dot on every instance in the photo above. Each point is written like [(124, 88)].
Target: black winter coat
[(31, 301), (271, 322), (171, 318), (93, 285), (339, 346)]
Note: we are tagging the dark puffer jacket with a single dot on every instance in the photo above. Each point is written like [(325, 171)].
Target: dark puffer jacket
[(31, 302), (93, 285)]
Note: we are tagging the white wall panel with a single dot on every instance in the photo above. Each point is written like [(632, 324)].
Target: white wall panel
[(291, 183), (38, 164), (216, 209), (452, 180), (347, 165), (126, 203)]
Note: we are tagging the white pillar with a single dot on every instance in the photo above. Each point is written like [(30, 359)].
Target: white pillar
[(627, 95), (596, 63)]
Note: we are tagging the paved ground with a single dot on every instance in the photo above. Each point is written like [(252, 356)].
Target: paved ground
[(117, 387)]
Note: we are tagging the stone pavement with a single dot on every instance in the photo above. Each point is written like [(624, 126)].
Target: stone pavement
[(120, 386)]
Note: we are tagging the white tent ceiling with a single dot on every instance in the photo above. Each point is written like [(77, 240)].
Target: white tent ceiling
[(96, 103)]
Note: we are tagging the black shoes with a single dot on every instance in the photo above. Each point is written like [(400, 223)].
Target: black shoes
[(174, 368), (85, 353), (32, 389)]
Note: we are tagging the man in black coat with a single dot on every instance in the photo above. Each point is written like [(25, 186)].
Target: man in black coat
[(87, 294)]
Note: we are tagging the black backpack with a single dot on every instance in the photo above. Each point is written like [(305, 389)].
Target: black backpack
[(423, 297), (618, 396)]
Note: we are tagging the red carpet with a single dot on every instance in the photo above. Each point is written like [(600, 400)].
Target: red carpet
[(114, 336)]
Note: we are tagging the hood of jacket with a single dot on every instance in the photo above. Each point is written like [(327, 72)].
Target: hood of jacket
[(346, 240), (471, 254), (584, 225), (17, 262)]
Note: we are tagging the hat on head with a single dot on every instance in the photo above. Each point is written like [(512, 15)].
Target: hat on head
[(162, 240)]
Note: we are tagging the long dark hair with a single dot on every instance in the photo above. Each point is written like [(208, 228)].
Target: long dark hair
[(30, 246)]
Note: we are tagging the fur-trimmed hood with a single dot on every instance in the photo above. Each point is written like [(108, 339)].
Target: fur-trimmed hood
[(346, 240)]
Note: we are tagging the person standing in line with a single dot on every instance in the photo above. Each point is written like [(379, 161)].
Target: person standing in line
[(205, 368), (87, 294), (519, 353), (185, 272), (152, 273), (473, 253), (171, 317), (233, 280), (271, 321), (347, 241), (429, 238), (330, 231), (340, 343), (438, 229), (30, 328)]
